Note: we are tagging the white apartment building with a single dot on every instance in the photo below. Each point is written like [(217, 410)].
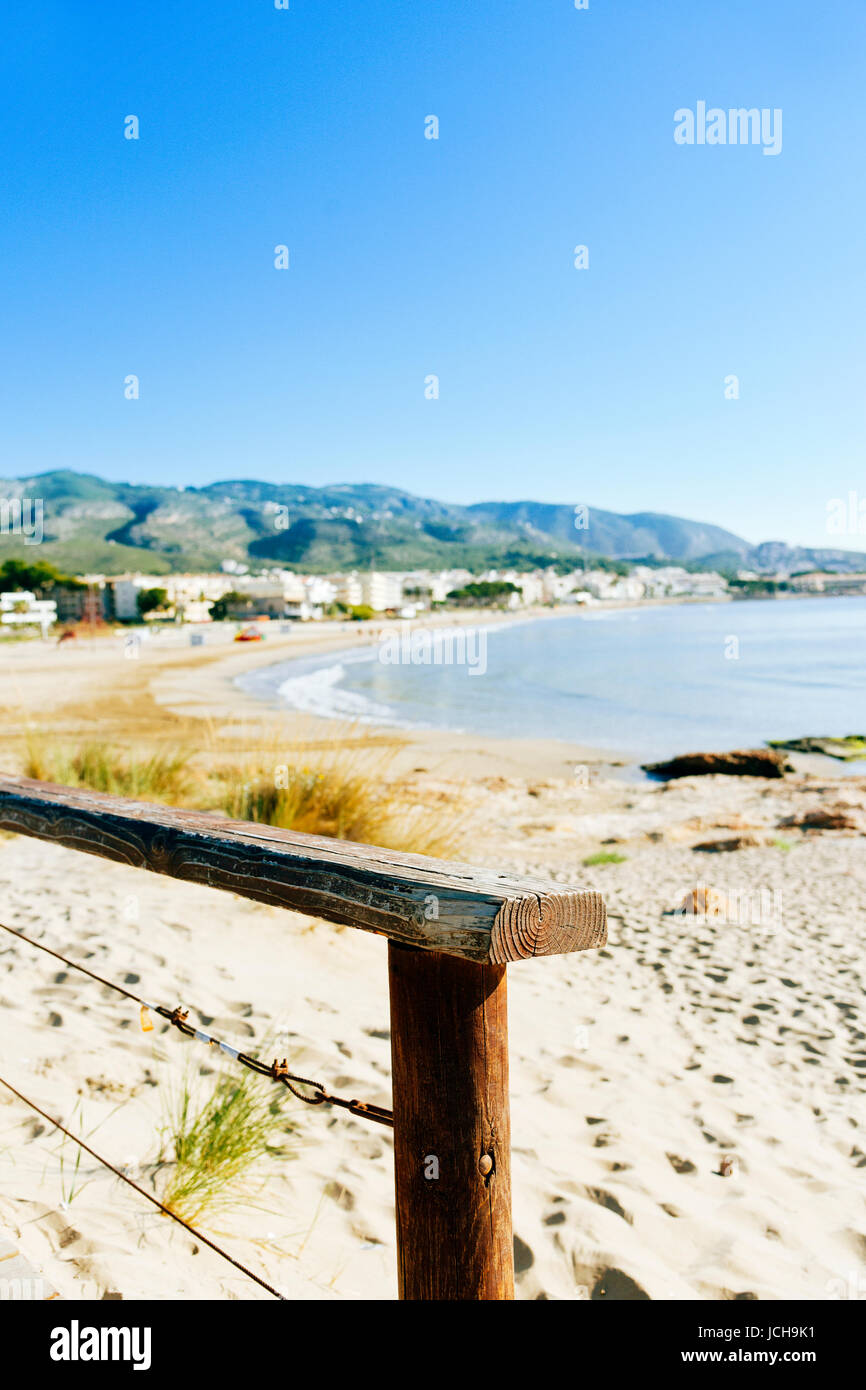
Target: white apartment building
[(603, 585), (294, 586), (320, 592), (565, 588), (531, 586), (347, 589), (191, 595), (382, 589), (444, 581), (260, 587), (709, 585), (555, 588), (24, 609), (672, 581)]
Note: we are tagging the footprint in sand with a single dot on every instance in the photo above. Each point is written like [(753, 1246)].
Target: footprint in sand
[(524, 1257), (235, 1026), (607, 1199), (681, 1165), (556, 1218), (615, 1286), (340, 1194)]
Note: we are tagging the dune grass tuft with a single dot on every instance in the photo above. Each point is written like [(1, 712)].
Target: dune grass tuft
[(343, 787), (160, 776), (215, 1141), (314, 801), (604, 856), (337, 797)]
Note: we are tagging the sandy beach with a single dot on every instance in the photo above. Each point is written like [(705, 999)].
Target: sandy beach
[(635, 1070)]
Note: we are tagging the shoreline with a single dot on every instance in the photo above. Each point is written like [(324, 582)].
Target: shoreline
[(596, 752), (172, 682), (174, 688)]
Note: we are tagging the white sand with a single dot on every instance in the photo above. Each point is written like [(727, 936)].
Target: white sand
[(634, 1070), (683, 1041)]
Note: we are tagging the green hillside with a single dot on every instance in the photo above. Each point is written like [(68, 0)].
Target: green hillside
[(91, 524)]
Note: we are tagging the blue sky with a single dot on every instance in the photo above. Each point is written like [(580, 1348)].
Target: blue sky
[(452, 257)]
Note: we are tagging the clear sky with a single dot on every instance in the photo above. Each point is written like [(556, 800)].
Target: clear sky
[(454, 257)]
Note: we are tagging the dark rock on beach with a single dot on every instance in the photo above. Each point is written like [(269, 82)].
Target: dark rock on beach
[(838, 816), (727, 846), (749, 762)]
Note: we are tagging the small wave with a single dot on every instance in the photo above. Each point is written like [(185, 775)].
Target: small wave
[(320, 692)]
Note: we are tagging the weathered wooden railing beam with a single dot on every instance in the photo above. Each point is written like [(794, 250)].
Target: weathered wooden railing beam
[(414, 900)]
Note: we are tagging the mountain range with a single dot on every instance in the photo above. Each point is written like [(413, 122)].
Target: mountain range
[(93, 525)]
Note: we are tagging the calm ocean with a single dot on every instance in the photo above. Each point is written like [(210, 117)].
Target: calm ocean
[(650, 682)]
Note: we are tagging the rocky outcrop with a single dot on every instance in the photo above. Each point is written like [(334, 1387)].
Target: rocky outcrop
[(703, 902), (749, 762), (847, 749), (727, 846), (838, 816)]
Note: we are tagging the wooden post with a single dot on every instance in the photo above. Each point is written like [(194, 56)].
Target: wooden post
[(452, 1140)]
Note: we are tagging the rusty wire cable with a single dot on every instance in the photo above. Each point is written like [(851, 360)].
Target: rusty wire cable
[(154, 1200), (277, 1071)]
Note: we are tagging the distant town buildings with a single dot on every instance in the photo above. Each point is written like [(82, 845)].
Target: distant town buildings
[(277, 594), (818, 582), (670, 581), (283, 594)]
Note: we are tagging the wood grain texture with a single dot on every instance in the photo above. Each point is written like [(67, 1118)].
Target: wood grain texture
[(429, 903), (452, 1141)]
